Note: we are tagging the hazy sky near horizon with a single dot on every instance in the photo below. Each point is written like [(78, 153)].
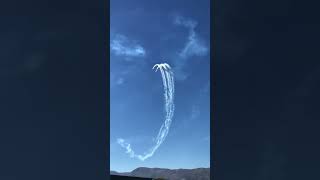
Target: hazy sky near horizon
[(143, 33)]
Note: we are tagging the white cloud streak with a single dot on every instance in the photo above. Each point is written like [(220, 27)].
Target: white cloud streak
[(194, 46), (120, 45)]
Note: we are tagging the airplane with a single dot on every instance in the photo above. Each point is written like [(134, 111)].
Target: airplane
[(157, 65)]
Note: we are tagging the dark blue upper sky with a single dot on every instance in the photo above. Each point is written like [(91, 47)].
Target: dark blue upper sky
[(143, 33)]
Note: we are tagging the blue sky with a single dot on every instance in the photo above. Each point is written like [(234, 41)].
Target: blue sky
[(143, 33)]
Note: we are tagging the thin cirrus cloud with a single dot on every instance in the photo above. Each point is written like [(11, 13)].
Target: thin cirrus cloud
[(116, 80), (122, 46), (194, 46), (128, 50)]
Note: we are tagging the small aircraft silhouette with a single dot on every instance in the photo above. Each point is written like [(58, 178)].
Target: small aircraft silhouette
[(162, 65)]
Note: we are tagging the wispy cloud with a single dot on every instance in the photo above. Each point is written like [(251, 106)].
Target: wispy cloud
[(194, 45), (189, 23), (122, 46), (120, 81), (116, 79)]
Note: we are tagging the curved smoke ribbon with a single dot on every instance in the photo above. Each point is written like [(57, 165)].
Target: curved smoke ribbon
[(168, 86)]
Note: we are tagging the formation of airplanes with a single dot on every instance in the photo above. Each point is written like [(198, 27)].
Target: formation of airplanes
[(162, 65)]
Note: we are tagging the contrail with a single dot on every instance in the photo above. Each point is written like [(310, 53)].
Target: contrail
[(168, 86)]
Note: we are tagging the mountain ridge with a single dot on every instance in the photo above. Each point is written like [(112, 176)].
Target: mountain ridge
[(172, 174)]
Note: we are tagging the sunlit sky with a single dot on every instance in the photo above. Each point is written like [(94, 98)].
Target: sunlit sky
[(142, 34)]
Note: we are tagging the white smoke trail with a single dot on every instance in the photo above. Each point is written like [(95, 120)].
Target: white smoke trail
[(168, 86)]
